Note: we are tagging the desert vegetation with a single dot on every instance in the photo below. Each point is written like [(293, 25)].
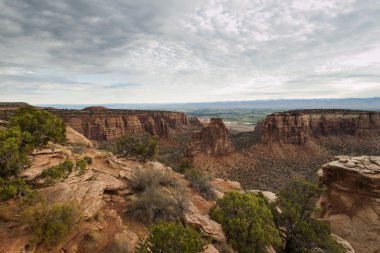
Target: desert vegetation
[(247, 222), (56, 173), (41, 124), (28, 129), (200, 183), (172, 238), (252, 224), (159, 198), (137, 146), (51, 224), (303, 232), (141, 146), (13, 187)]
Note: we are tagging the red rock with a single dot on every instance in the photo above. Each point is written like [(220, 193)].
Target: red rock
[(351, 202), (213, 140), (299, 127), (104, 124)]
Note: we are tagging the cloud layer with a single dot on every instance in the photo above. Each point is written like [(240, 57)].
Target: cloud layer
[(95, 51)]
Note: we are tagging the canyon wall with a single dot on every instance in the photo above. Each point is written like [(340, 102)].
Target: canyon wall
[(212, 140), (102, 124), (351, 202), (299, 127)]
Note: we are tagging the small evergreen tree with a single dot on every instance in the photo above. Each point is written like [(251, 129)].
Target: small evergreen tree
[(28, 129), (41, 124), (297, 202), (247, 222), (172, 238), (14, 148), (142, 146)]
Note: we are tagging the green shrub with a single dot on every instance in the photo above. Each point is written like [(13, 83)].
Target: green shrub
[(78, 147), (247, 222), (81, 166), (172, 238), (41, 124), (154, 205), (28, 129), (200, 183), (14, 148), (143, 146), (183, 167), (88, 159), (13, 187), (297, 204), (50, 225), (108, 146), (56, 173)]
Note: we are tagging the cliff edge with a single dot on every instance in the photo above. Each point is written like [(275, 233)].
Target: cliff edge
[(302, 126), (351, 202)]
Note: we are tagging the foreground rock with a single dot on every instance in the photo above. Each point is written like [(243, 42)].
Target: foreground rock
[(351, 203), (41, 159), (87, 194), (213, 140)]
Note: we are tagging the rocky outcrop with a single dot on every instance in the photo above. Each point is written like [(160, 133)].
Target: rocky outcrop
[(351, 202), (41, 159), (299, 127), (213, 140), (73, 137), (195, 121)]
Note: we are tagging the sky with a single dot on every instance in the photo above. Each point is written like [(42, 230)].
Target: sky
[(167, 51)]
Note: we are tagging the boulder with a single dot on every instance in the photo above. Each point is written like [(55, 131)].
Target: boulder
[(195, 218)]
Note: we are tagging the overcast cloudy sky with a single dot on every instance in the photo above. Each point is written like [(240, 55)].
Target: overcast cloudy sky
[(136, 51)]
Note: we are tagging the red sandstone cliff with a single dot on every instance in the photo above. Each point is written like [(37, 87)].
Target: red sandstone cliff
[(213, 140), (351, 202), (299, 127), (102, 124)]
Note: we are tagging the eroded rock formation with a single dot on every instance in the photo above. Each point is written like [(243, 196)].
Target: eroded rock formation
[(102, 124), (351, 202), (299, 127), (212, 140)]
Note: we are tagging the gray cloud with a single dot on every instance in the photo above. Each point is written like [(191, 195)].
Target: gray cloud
[(181, 51)]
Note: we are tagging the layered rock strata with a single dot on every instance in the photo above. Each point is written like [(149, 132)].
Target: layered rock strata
[(351, 202), (212, 140), (103, 124), (299, 127)]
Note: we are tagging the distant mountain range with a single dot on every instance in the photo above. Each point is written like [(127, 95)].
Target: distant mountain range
[(274, 104)]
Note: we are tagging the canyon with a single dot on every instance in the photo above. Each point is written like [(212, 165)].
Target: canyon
[(103, 124), (285, 145)]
